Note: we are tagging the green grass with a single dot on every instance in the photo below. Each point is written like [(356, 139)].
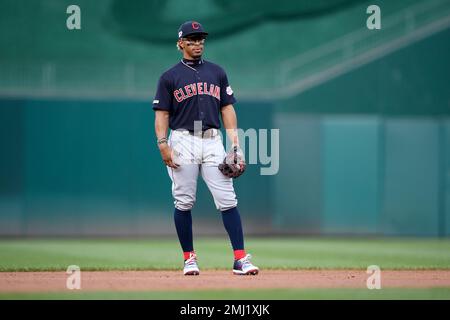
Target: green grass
[(215, 253), (272, 294)]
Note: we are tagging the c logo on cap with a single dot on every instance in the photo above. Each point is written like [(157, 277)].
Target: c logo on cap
[(195, 25)]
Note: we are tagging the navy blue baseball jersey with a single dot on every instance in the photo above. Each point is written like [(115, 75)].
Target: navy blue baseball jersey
[(193, 91)]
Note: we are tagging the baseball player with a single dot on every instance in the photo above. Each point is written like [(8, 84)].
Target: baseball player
[(189, 99)]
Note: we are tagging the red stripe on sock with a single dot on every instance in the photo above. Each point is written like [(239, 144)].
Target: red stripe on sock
[(239, 254)]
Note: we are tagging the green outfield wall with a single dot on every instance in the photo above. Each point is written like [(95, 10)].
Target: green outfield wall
[(363, 151)]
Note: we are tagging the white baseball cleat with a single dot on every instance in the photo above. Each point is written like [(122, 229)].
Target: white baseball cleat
[(244, 266), (190, 266)]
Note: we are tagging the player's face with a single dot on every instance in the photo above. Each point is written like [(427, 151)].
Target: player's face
[(193, 46)]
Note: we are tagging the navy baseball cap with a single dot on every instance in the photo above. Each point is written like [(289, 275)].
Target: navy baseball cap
[(190, 28)]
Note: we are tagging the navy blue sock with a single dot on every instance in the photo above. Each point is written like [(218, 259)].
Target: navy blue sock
[(183, 224), (233, 225)]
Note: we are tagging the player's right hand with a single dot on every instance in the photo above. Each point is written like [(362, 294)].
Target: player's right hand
[(166, 155)]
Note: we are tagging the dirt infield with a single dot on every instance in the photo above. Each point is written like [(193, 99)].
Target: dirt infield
[(174, 280)]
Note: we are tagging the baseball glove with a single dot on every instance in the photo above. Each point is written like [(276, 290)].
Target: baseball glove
[(234, 163)]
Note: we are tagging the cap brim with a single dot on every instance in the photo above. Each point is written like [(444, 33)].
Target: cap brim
[(194, 33)]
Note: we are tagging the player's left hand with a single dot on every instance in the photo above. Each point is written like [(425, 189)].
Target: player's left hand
[(234, 163)]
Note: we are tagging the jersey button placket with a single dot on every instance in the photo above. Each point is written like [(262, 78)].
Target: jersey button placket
[(201, 114), (198, 80)]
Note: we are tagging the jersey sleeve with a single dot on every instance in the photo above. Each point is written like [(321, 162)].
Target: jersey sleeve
[(163, 97), (226, 93)]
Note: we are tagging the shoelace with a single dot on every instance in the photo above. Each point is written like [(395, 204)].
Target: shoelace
[(192, 261), (246, 260)]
